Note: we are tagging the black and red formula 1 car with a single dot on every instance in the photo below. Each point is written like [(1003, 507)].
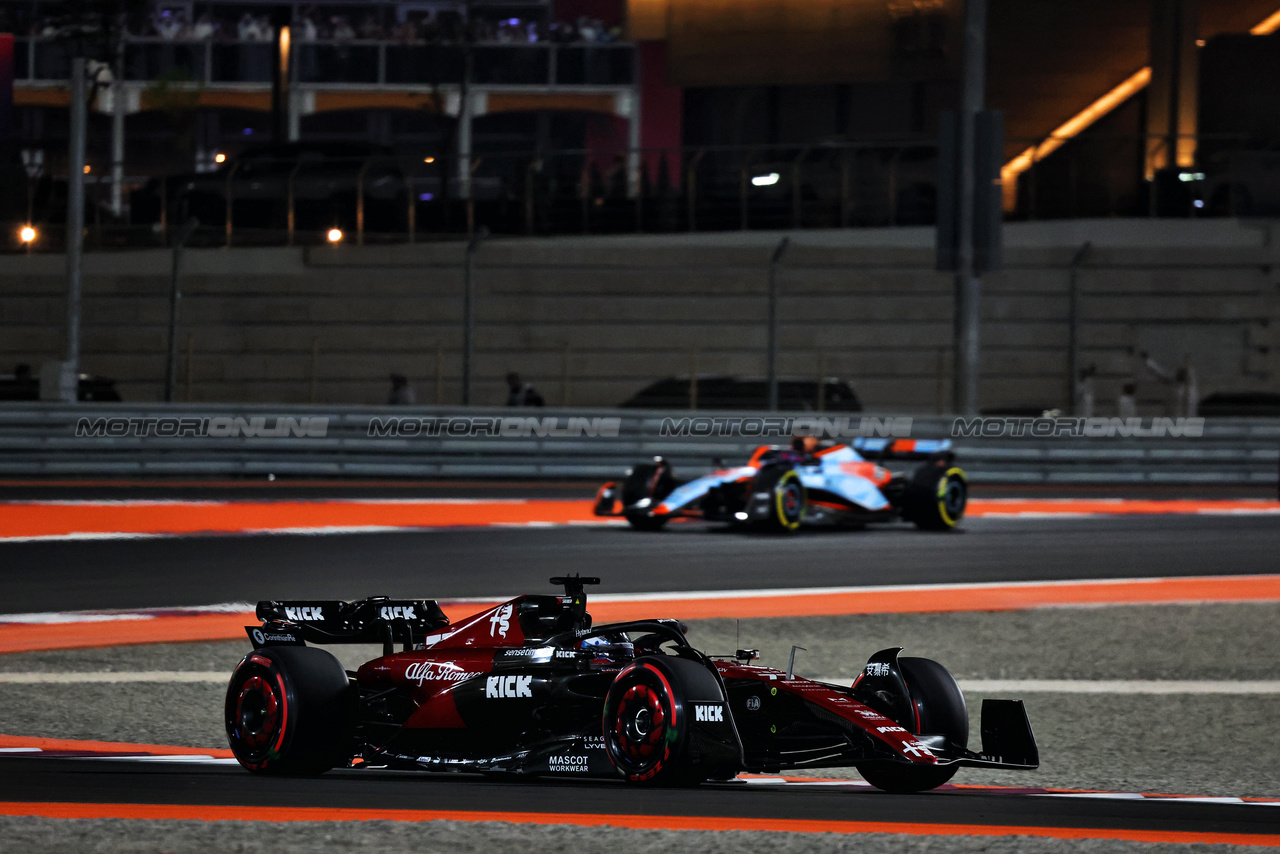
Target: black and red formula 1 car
[(531, 687)]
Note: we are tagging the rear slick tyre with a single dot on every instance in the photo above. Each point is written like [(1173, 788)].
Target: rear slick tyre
[(936, 497), (940, 709), (290, 710)]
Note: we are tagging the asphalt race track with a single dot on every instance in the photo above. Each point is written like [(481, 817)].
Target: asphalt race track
[(62, 780), (74, 574), (162, 572)]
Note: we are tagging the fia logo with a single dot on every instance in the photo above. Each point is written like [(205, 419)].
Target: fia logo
[(753, 703), (500, 622)]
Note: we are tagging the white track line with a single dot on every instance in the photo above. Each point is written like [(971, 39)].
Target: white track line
[(1109, 686), (1121, 686), (975, 686), (678, 596), (116, 677)]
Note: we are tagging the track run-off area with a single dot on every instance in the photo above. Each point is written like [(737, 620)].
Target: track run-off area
[(120, 573)]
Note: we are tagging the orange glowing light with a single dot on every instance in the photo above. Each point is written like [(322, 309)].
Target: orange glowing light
[(1080, 121), (1268, 26), (86, 169), (27, 234), (334, 235), (219, 158)]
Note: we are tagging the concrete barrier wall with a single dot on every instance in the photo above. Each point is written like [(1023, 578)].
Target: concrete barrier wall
[(612, 314)]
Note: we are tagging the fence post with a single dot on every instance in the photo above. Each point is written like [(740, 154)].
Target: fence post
[(439, 374), (468, 313), (822, 381), (797, 201), (290, 202), (315, 358), (691, 189), (364, 168), (230, 174), (186, 391), (845, 174), (693, 378), (411, 215), (564, 378), (1073, 328), (774, 261)]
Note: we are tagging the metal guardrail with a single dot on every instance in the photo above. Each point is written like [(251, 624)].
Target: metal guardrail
[(41, 440)]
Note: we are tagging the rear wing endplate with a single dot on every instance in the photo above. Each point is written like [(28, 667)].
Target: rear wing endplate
[(376, 619)]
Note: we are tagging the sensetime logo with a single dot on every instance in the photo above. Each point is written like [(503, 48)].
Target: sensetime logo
[(1077, 428), (257, 427)]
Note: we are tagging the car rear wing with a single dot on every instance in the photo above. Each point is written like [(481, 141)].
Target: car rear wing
[(376, 619), (900, 449)]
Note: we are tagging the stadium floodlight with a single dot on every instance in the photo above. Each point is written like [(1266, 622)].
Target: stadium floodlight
[(765, 180)]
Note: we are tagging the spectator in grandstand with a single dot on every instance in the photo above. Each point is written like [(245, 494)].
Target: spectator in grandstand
[(406, 32), (590, 29), (371, 29), (247, 28), (1184, 391), (521, 393), (1127, 402), (168, 24), (204, 28), (305, 28), (342, 29), (401, 392), (1084, 392)]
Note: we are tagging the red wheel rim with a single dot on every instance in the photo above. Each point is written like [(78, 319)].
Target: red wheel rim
[(791, 501), (257, 715), (640, 727)]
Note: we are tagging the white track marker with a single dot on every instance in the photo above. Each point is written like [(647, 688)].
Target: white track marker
[(973, 686), (1108, 686), (117, 677)]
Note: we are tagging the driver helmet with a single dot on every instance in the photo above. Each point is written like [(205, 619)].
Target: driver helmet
[(609, 649)]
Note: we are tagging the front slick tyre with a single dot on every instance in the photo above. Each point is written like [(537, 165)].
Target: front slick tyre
[(787, 499), (936, 496), (646, 731), (940, 709), (290, 710)]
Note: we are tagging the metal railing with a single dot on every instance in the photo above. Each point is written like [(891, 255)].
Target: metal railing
[(839, 184), (41, 440), (259, 201), (209, 62)]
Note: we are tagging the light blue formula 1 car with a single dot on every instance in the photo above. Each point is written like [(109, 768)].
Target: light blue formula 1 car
[(780, 489)]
